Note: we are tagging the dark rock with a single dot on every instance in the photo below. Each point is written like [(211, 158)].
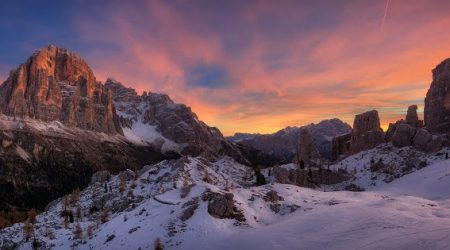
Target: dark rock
[(354, 188), (403, 135), (308, 177), (307, 153), (222, 206), (437, 100), (367, 132), (412, 118), (426, 142), (189, 209), (272, 196), (341, 145)]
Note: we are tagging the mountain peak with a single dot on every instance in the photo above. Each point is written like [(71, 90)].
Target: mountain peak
[(57, 84)]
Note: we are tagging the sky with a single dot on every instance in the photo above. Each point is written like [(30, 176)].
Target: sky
[(247, 66)]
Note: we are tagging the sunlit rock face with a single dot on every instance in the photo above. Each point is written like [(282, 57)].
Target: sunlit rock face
[(57, 85), (437, 101)]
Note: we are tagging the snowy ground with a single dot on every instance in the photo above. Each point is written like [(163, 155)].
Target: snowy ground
[(411, 212)]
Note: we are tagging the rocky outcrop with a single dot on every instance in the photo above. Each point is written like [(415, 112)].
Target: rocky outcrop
[(222, 206), (409, 132), (57, 85), (437, 101), (307, 154), (366, 133), (427, 142), (412, 118), (311, 177), (341, 145), (405, 135)]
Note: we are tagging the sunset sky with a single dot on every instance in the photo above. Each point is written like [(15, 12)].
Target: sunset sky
[(247, 66)]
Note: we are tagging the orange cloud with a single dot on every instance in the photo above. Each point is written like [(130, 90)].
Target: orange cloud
[(286, 68)]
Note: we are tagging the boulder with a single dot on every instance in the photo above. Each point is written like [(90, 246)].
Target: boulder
[(403, 135), (272, 196), (222, 206), (427, 142)]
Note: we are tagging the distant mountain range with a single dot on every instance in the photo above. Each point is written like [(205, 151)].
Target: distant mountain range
[(282, 146)]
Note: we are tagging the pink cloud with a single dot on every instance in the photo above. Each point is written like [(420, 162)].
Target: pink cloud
[(308, 76)]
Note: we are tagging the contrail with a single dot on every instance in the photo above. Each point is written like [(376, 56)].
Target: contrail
[(385, 14)]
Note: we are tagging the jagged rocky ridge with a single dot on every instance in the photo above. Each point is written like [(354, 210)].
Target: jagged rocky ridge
[(154, 118)]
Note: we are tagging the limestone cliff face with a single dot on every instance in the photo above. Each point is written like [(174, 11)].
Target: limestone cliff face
[(366, 134), (307, 155), (437, 101), (56, 84)]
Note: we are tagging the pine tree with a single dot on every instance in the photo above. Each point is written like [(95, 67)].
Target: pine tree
[(66, 222), (78, 232), (66, 203), (302, 164), (158, 244), (122, 184), (78, 213)]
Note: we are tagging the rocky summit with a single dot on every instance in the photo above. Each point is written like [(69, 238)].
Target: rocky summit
[(55, 84)]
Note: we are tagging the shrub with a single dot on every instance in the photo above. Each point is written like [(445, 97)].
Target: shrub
[(104, 216), (75, 196), (28, 229)]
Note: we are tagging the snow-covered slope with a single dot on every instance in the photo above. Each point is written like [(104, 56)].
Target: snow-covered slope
[(172, 201), (431, 183), (383, 164)]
